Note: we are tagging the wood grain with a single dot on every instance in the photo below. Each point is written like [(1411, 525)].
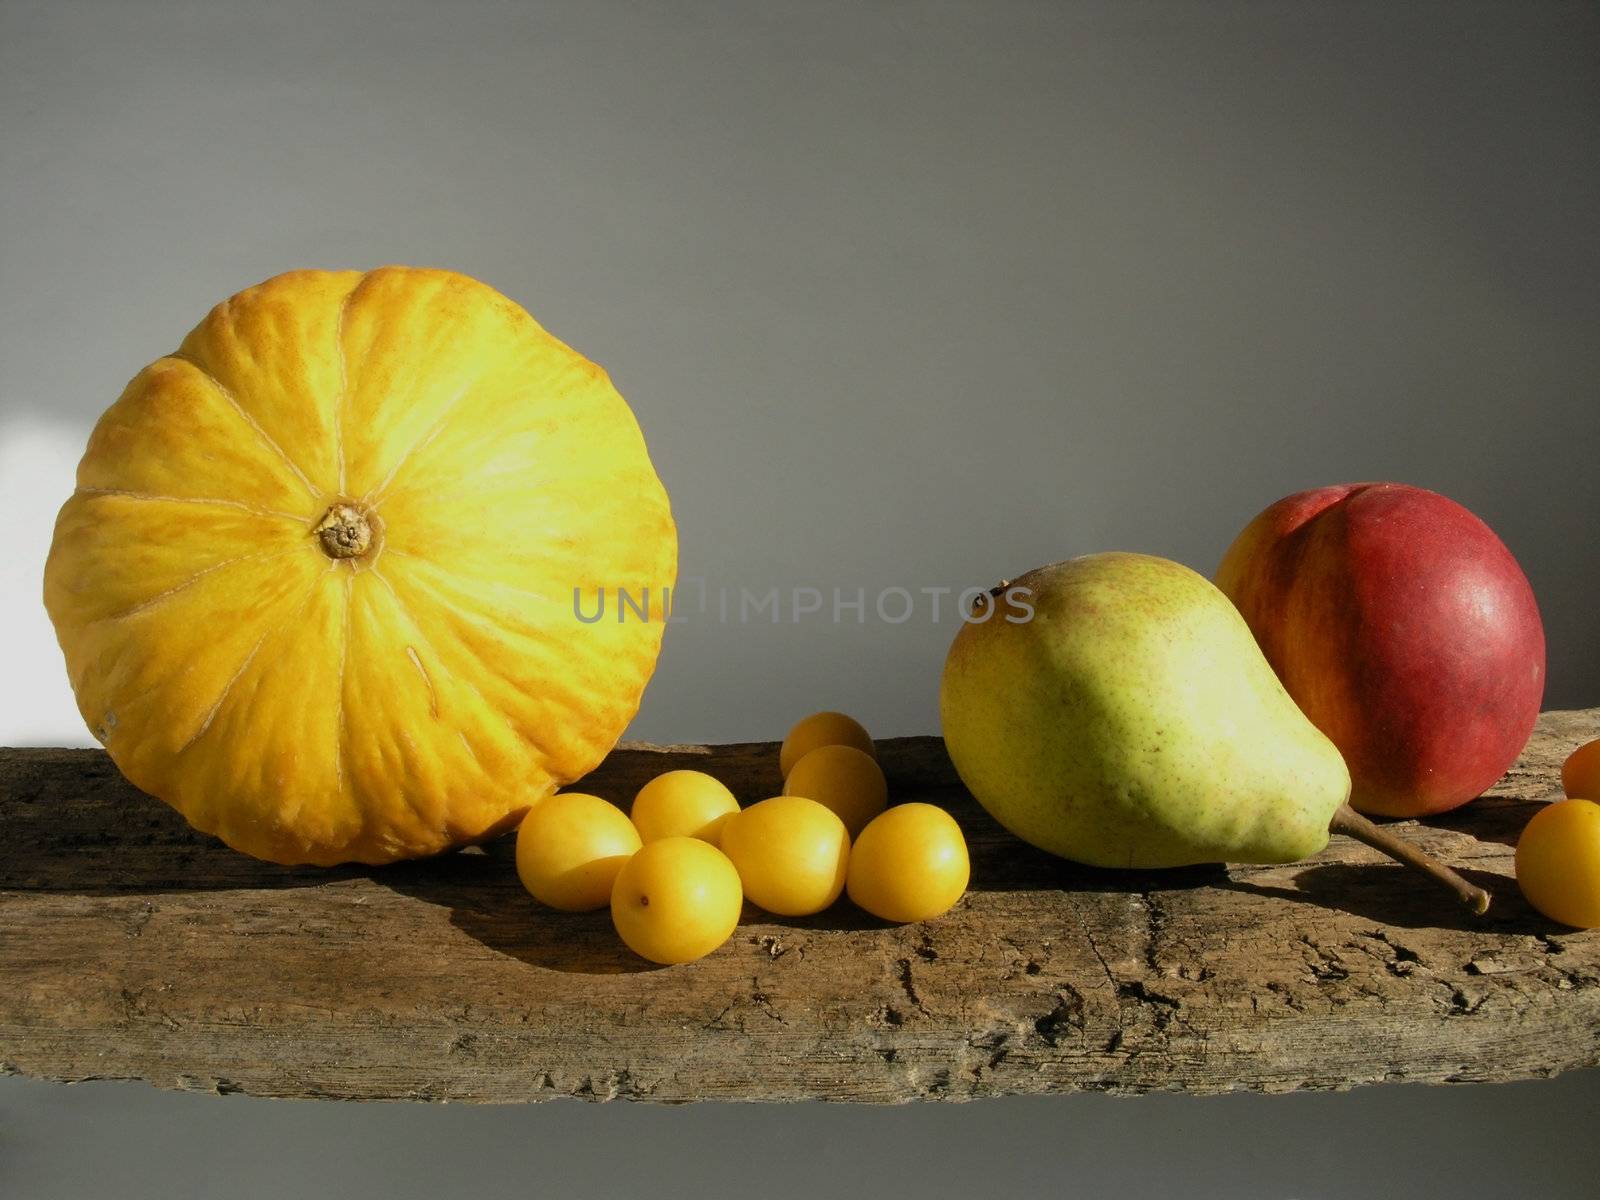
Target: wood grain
[(132, 947)]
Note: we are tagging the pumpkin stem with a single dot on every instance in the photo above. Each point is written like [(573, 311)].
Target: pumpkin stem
[(345, 531)]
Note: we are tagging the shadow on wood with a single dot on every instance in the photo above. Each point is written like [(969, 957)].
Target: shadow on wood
[(73, 824), (485, 900), (1391, 894)]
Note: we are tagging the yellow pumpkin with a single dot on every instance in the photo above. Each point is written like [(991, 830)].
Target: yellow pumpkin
[(319, 587)]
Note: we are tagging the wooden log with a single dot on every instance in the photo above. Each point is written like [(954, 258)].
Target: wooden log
[(132, 947)]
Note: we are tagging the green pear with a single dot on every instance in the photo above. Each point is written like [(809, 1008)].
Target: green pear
[(1115, 710)]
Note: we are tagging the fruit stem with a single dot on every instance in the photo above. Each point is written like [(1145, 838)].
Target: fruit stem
[(345, 531), (1351, 823)]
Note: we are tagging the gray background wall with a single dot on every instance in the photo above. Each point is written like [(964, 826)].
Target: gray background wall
[(909, 295)]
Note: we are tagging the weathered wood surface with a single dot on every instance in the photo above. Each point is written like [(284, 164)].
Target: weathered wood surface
[(132, 947)]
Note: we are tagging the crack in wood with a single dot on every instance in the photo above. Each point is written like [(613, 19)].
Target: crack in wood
[(909, 987), (1067, 1013)]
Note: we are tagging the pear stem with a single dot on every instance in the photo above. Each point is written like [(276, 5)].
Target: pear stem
[(1351, 823)]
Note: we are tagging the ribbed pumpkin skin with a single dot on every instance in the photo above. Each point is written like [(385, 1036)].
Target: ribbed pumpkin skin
[(314, 709)]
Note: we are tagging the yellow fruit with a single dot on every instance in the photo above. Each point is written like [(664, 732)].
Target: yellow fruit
[(316, 587), (676, 900), (910, 864), (570, 847), (1580, 774), (821, 729), (683, 804), (1558, 862), (791, 853), (843, 779)]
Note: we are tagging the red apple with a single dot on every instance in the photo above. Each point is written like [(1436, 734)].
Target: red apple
[(1405, 631)]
